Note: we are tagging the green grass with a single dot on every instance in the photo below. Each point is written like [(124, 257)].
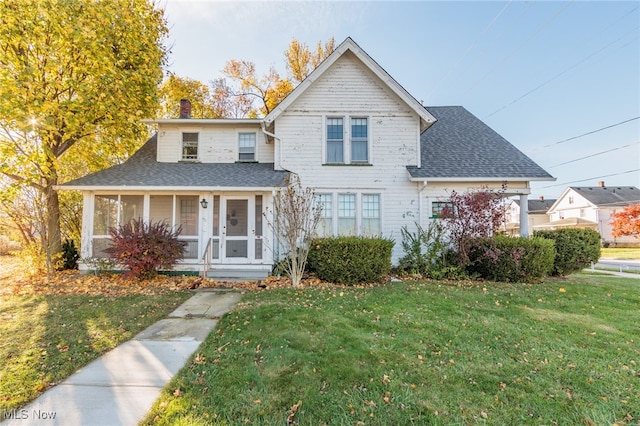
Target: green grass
[(562, 352), (45, 338), (620, 253)]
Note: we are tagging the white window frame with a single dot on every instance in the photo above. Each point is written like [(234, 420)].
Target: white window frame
[(347, 140), (255, 146), (326, 212), (184, 144), (327, 140), (352, 139), (362, 213)]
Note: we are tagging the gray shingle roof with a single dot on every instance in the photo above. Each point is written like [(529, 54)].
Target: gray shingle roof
[(459, 145), (538, 206), (142, 170), (609, 195)]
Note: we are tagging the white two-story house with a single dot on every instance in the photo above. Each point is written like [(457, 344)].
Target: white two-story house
[(377, 159), (593, 207)]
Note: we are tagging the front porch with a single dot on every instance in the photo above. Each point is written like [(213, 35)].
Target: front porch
[(225, 233)]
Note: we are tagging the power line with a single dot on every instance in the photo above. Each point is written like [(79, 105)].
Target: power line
[(470, 48), (518, 47), (560, 74), (591, 132), (595, 155), (592, 178)]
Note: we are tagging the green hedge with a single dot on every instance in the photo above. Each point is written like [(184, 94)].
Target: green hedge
[(511, 259), (350, 260), (576, 249)]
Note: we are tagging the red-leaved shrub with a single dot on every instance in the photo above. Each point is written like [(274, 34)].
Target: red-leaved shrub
[(145, 248)]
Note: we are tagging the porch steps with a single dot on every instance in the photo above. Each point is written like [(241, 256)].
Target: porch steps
[(235, 275)]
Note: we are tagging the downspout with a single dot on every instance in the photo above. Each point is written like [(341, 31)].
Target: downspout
[(424, 186), (268, 133)]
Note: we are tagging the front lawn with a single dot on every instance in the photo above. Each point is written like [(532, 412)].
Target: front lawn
[(620, 253), (562, 352), (51, 327)]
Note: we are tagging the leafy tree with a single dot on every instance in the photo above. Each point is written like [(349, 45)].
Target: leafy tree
[(75, 78), (301, 60), (473, 214), (626, 222), (268, 90), (175, 88), (294, 222), (265, 92)]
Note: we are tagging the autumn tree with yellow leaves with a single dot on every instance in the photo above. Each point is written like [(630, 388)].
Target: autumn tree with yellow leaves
[(243, 92), (76, 77)]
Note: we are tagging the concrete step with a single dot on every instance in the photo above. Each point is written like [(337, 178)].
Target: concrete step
[(234, 275)]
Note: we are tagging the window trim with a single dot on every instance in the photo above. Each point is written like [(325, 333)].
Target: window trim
[(441, 205), (327, 140), (347, 141), (255, 147), (183, 145), (352, 140)]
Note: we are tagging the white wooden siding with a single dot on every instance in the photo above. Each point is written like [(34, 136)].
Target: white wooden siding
[(216, 143), (349, 90)]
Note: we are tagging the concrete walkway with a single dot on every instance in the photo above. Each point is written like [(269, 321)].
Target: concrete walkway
[(120, 387)]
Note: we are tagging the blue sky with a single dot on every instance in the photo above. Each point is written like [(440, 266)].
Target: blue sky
[(538, 73)]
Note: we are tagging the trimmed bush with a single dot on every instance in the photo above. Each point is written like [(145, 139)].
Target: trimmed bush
[(145, 248), (511, 259), (350, 260), (575, 248)]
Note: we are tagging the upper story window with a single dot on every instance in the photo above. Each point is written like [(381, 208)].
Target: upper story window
[(335, 140), (359, 140), (247, 147), (189, 146), (347, 140)]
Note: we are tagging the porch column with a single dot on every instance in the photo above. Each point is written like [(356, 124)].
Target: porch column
[(524, 215)]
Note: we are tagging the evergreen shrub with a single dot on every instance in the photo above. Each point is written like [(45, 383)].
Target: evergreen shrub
[(576, 248), (350, 260)]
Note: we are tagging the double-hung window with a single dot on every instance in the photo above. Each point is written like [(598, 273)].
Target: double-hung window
[(247, 146), (359, 140), (325, 226), (190, 146), (335, 140), (346, 214), (371, 215)]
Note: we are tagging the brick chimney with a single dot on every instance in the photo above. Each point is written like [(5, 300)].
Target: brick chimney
[(185, 108), (541, 198), (601, 184)]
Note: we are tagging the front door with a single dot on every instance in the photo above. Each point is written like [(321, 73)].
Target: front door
[(235, 230)]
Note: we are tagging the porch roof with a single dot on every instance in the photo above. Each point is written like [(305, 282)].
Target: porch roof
[(142, 171)]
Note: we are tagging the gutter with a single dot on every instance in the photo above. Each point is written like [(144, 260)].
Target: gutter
[(268, 133)]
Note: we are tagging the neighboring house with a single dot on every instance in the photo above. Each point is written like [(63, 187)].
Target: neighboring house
[(377, 159), (537, 212), (593, 207)]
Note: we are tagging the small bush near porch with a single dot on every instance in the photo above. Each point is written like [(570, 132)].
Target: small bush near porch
[(559, 352)]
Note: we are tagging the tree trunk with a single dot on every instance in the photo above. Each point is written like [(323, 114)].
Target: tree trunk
[(54, 243)]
